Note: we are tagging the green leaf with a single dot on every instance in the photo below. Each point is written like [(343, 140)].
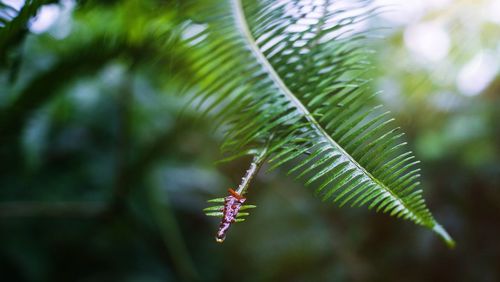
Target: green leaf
[(276, 68)]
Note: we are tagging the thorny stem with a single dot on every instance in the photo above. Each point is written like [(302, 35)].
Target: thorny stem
[(257, 162)]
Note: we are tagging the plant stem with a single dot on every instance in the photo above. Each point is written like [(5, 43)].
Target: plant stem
[(257, 162)]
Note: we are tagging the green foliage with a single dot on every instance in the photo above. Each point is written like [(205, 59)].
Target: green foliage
[(272, 75), (95, 160), (279, 76)]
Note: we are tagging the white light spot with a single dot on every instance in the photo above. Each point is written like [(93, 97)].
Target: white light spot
[(300, 43), (429, 41), (297, 28), (308, 21), (45, 18), (193, 33), (273, 42), (477, 74), (494, 11)]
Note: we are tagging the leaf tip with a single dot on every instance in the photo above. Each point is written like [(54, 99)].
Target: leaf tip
[(441, 232)]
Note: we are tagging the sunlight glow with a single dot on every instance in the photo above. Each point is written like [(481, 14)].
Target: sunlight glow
[(45, 18), (477, 74), (494, 11), (428, 40)]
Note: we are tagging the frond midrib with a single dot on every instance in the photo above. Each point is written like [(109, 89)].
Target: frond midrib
[(242, 25)]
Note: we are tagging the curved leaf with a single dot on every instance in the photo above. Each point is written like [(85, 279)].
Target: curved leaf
[(294, 71)]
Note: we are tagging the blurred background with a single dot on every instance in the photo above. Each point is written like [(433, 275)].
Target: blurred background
[(102, 180)]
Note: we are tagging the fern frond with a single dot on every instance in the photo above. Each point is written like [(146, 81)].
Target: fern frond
[(294, 71)]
